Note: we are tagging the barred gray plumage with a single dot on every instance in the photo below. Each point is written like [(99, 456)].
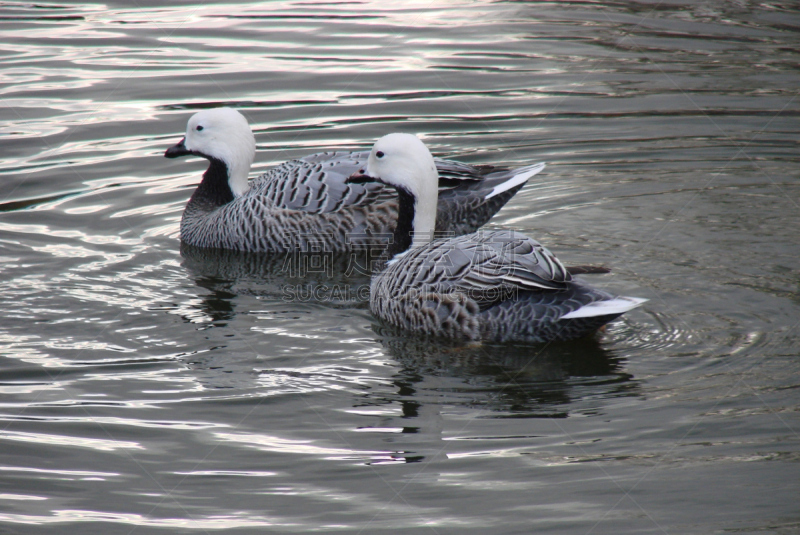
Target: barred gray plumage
[(306, 203), (488, 285)]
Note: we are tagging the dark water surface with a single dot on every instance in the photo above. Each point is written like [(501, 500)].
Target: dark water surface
[(145, 391)]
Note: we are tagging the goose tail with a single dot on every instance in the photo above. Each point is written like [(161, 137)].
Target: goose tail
[(519, 177), (611, 307)]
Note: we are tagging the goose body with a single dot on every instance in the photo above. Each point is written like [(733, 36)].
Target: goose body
[(488, 285), (307, 204)]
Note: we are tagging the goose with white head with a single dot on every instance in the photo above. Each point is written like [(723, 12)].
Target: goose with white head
[(404, 163), (496, 286), (306, 204)]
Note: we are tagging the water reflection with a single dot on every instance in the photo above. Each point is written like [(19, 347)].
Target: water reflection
[(519, 381), (329, 279)]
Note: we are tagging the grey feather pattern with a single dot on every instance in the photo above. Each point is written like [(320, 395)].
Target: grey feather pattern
[(490, 285), (306, 202)]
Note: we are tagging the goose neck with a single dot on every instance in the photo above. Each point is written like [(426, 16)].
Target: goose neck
[(238, 172), (416, 220), (214, 190)]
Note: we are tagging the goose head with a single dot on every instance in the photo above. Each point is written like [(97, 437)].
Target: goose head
[(222, 135), (403, 162)]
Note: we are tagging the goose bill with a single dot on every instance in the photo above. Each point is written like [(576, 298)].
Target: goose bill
[(360, 177), (177, 150)]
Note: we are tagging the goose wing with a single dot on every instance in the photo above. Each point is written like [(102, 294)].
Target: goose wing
[(487, 266), (317, 183), (453, 174)]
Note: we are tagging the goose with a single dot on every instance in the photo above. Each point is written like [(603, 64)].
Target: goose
[(497, 285), (305, 204)]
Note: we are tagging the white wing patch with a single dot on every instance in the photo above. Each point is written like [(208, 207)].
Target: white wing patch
[(618, 305), (520, 178)]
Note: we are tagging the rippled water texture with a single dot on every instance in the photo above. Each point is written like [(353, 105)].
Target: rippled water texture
[(147, 391)]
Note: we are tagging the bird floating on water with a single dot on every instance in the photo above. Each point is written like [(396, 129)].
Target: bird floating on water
[(489, 285), (306, 204)]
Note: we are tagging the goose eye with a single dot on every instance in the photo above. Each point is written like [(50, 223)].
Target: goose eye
[(199, 128), (379, 154)]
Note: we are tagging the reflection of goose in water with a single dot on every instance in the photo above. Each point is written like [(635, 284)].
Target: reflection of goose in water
[(309, 198), (332, 279), (532, 381)]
